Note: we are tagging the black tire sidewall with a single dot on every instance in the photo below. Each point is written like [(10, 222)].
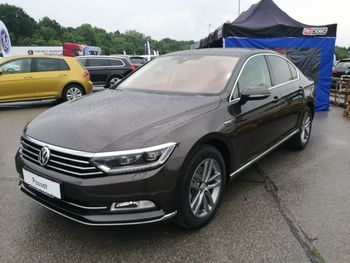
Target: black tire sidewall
[(185, 215)]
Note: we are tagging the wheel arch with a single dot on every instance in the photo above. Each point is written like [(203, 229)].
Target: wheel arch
[(72, 83), (222, 144), (311, 105), (114, 75)]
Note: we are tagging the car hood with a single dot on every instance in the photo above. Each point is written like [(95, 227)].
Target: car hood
[(114, 120)]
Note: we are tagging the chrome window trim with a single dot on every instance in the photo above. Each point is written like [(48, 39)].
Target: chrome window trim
[(110, 66), (231, 100), (119, 60), (17, 59)]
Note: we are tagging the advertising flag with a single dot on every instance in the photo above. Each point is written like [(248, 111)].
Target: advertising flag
[(5, 41)]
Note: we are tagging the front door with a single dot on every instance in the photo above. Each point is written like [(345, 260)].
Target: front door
[(98, 69), (16, 81), (254, 120)]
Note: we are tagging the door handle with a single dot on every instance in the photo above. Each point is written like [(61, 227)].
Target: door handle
[(28, 77), (275, 99), (62, 75)]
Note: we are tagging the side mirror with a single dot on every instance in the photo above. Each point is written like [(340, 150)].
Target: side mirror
[(255, 92), (1, 72)]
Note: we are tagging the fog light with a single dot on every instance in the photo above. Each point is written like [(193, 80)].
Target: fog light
[(132, 205)]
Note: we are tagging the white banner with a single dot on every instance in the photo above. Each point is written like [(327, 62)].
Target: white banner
[(5, 41)]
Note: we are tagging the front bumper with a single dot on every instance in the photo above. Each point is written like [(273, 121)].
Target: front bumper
[(88, 218), (88, 200)]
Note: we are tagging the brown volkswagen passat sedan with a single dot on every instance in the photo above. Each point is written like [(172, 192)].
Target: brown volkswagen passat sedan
[(167, 140)]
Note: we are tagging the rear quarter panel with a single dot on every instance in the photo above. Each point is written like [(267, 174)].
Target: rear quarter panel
[(75, 75)]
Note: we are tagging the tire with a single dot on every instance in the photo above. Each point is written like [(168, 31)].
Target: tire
[(113, 81), (301, 139), (72, 92), (204, 195)]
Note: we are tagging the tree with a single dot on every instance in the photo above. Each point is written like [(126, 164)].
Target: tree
[(25, 31), (341, 52), (18, 23)]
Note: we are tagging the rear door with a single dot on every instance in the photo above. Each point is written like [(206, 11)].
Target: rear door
[(16, 81), (49, 76), (255, 121), (285, 80), (118, 67), (98, 69)]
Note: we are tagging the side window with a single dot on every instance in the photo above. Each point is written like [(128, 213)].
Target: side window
[(63, 65), (17, 66), (280, 70), (82, 61), (293, 70), (47, 64), (97, 62), (255, 72), (117, 62)]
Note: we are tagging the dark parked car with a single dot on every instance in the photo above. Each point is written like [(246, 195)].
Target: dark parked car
[(107, 70), (167, 140), (138, 61), (342, 68)]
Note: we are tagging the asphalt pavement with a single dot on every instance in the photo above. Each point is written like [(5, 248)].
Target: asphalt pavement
[(290, 207)]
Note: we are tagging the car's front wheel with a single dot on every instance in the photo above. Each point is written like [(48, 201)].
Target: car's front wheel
[(201, 188), (72, 92)]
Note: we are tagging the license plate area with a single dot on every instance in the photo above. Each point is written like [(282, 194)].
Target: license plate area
[(42, 184)]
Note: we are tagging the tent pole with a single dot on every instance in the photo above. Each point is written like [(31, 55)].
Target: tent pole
[(239, 7)]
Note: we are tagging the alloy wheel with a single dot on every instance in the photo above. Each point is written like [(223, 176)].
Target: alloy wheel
[(205, 188), (74, 93), (305, 128), (113, 81)]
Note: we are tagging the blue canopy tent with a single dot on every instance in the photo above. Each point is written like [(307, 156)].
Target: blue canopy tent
[(265, 26)]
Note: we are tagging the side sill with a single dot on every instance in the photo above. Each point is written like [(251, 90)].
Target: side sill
[(248, 164)]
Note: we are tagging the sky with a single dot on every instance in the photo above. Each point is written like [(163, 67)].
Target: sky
[(179, 19)]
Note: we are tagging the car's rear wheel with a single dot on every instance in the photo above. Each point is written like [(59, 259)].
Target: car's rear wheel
[(301, 139), (113, 81), (72, 92), (201, 188)]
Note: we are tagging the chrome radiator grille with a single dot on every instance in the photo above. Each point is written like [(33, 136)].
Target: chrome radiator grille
[(61, 162)]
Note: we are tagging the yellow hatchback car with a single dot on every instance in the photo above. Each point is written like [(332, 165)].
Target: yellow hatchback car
[(42, 77)]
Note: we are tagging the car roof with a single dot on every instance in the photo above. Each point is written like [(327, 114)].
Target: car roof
[(235, 52), (31, 56), (112, 56)]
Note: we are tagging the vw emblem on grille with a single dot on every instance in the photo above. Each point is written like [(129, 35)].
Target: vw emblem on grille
[(44, 156)]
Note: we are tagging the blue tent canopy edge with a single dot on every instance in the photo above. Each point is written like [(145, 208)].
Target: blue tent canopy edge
[(325, 45)]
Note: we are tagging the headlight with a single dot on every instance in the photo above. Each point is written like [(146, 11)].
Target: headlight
[(134, 160)]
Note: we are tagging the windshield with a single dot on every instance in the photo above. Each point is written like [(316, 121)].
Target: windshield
[(343, 64), (194, 74)]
